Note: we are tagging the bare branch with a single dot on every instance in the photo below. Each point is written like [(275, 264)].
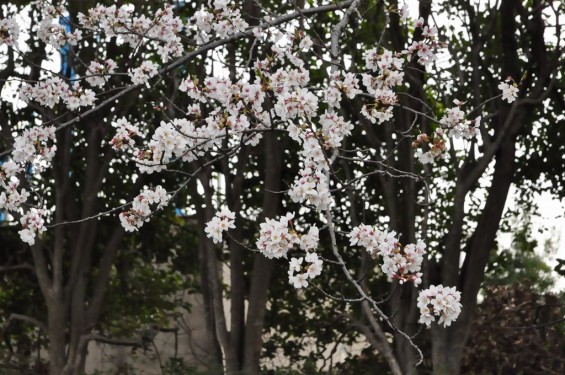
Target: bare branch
[(17, 267), (28, 319)]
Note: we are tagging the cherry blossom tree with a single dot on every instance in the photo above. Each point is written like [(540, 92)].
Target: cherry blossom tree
[(275, 122)]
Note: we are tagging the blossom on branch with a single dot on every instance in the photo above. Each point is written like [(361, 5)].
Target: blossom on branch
[(509, 91), (143, 73), (35, 145), (456, 125), (32, 224), (12, 198), (98, 71), (9, 31), (220, 223), (400, 263), (133, 219), (439, 302), (276, 238), (304, 271)]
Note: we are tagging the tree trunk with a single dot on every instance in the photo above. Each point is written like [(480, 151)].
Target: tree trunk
[(262, 267), (448, 343), (56, 335)]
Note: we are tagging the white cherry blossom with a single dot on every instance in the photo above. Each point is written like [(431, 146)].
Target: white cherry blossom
[(220, 223), (33, 224), (509, 91), (439, 302), (140, 211), (304, 268), (143, 73), (9, 31), (276, 237)]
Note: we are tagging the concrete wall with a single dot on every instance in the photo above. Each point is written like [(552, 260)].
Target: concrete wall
[(194, 346)]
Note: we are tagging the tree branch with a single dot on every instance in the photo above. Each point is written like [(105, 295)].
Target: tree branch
[(28, 319), (17, 267)]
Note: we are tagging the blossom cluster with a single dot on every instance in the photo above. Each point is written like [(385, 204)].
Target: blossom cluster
[(161, 31), (334, 129), (98, 71), (277, 237), (311, 186), (389, 65), (220, 18), (509, 91), (453, 124), (140, 211), (51, 31), (401, 263), (381, 87), (35, 145), (436, 145), (439, 302), (12, 198), (456, 124), (372, 239), (405, 263), (299, 273), (424, 49), (347, 85), (299, 102), (177, 139), (9, 31), (33, 151), (52, 90), (32, 224), (143, 73), (125, 133), (220, 223)]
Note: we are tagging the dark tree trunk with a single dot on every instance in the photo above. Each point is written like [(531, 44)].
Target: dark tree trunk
[(262, 267)]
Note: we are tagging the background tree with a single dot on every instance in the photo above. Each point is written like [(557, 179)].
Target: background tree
[(522, 336), (484, 48), (75, 263)]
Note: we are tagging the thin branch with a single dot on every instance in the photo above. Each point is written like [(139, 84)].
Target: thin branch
[(542, 325), (111, 340), (340, 299), (28, 319), (17, 267)]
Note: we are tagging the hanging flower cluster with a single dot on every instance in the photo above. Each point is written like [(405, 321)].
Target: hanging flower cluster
[(509, 90), (441, 302), (436, 147), (9, 31), (277, 237), (133, 219), (32, 224), (52, 90), (33, 151), (400, 263), (304, 268), (454, 121), (220, 223)]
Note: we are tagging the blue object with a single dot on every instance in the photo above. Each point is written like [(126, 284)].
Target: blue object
[(65, 51)]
